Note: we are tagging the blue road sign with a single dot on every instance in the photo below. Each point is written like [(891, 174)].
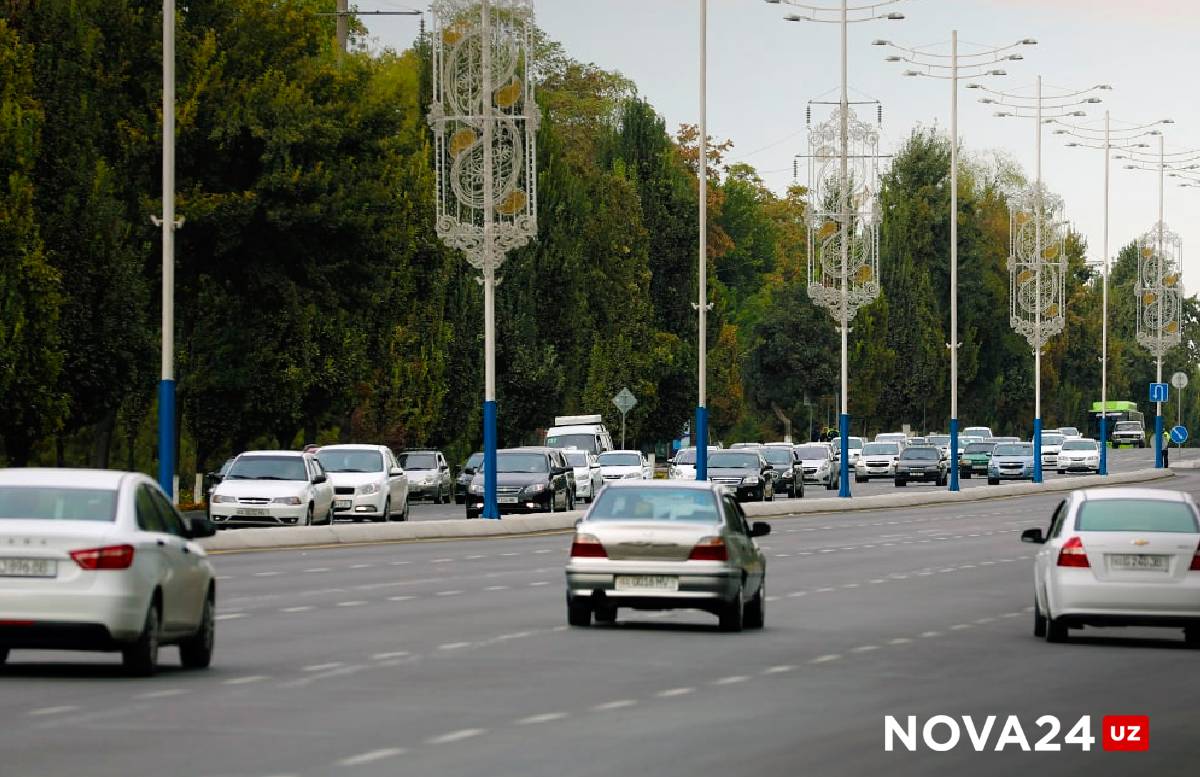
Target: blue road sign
[(1158, 392), (1179, 435)]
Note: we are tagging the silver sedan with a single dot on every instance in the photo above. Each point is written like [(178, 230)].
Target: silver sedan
[(1118, 557), (666, 545), (98, 560)]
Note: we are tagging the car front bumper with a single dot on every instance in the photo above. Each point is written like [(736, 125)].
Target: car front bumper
[(275, 515), (358, 506), (924, 475)]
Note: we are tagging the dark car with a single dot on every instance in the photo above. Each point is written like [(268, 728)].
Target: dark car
[(744, 473), (528, 480), (924, 463), (789, 473), (975, 458), (428, 475), (462, 484)]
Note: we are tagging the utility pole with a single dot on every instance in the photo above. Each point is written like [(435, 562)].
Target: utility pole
[(343, 25)]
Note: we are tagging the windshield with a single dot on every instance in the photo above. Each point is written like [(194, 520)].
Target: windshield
[(854, 443), (881, 449), (577, 458), (620, 460), (922, 454), (1139, 515), (1052, 439), (1080, 445), (52, 503), (1129, 426), (979, 447), (686, 456), (521, 462), (1069, 431), (778, 455), (418, 460), (812, 452), (584, 441), (655, 504), (350, 461), (268, 468), (734, 460), (889, 437), (981, 431), (938, 439), (1013, 449)]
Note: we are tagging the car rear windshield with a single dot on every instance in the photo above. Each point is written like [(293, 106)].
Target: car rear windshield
[(812, 452), (418, 460), (54, 503), (854, 443), (778, 455), (620, 460), (1138, 515), (1080, 445), (1052, 439), (584, 442), (938, 439), (268, 468), (350, 461), (1013, 449), (1068, 431), (474, 461), (655, 504), (880, 449), (922, 454), (979, 447), (521, 462), (734, 460)]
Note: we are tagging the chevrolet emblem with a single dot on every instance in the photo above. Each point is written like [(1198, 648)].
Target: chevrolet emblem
[(1140, 543)]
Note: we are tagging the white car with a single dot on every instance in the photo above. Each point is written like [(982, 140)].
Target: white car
[(273, 488), (1069, 432), (368, 482), (853, 444), (101, 560), (588, 480), (942, 443), (878, 460), (1118, 557), (900, 438), (818, 464), (1052, 443), (625, 465), (1079, 455), (683, 466), (979, 432)]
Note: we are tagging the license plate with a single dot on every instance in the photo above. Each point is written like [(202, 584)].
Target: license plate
[(28, 567), (253, 512), (646, 583), (343, 504), (1138, 561), (507, 500)]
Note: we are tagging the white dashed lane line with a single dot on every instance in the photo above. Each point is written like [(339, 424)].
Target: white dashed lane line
[(456, 736), (371, 756)]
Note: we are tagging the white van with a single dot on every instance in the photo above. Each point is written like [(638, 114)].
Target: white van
[(585, 432)]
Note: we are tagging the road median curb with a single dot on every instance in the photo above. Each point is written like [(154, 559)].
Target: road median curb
[(359, 533)]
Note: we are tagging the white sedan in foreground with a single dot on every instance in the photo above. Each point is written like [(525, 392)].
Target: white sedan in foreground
[(1118, 557), (100, 560)]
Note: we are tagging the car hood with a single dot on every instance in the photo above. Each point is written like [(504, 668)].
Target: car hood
[(582, 472), (354, 478), (418, 475), (1013, 459), (515, 478), (619, 469), (731, 472), (271, 488), (1078, 454), (815, 462)]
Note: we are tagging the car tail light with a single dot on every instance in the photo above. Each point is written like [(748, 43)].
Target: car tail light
[(1073, 554), (1195, 567), (108, 557), (709, 549), (587, 546)]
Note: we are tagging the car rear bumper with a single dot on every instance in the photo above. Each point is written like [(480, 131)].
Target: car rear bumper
[(1089, 600), (95, 618), (699, 590)]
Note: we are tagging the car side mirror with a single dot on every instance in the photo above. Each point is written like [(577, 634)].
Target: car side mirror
[(760, 529), (1033, 535), (319, 479), (394, 471), (199, 526)]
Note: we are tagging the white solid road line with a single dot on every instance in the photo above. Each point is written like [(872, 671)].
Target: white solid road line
[(300, 608), (323, 667), (372, 756), (163, 694)]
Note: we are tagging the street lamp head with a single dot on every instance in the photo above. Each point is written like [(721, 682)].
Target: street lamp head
[(1167, 121), (881, 42), (1028, 41), (893, 58), (1105, 87), (793, 17), (1060, 132), (1071, 144), (997, 72), (1077, 113), (1093, 100), (894, 16), (1003, 114), (912, 73), (1015, 57), (984, 100)]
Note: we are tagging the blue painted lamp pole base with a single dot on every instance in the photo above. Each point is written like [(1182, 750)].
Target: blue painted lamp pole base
[(953, 454), (1103, 470), (701, 443), (166, 436), (491, 509), (1037, 450), (844, 473), (1158, 441)]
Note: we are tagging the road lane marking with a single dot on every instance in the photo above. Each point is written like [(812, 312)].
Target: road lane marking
[(44, 711), (318, 569), (614, 705), (400, 598), (441, 561), (371, 756), (931, 634), (780, 669), (864, 648), (672, 692), (323, 667), (960, 626), (545, 717), (361, 566), (163, 694), (825, 658), (456, 736), (447, 593), (265, 574), (496, 588), (386, 656), (230, 616), (454, 645), (899, 641), (254, 678), (300, 608), (797, 594), (737, 678), (398, 563), (537, 583), (352, 603)]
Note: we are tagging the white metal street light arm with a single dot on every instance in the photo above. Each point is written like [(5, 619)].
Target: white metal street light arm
[(997, 53), (853, 14), (1121, 133), (1032, 102)]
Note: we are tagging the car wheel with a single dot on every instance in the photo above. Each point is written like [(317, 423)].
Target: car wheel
[(993, 481), (755, 616), (1056, 629), (858, 479), (3, 656), (386, 515), (733, 613), (606, 614), (407, 508), (1191, 637), (141, 658), (196, 651), (901, 483), (1039, 620), (965, 475), (579, 613)]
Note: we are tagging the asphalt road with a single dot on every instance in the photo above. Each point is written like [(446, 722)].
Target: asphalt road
[(443, 659)]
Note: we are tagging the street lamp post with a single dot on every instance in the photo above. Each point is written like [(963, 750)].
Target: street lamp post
[(971, 66), (484, 119), (1032, 256), (702, 305), (846, 301), (168, 224), (1125, 139), (1160, 288)]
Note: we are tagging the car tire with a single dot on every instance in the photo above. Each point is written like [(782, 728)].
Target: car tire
[(732, 616), (308, 517), (196, 651), (1191, 638), (901, 483), (831, 484), (3, 656), (329, 516), (755, 614), (858, 479), (1056, 630), (386, 515), (407, 509), (606, 614), (993, 481), (140, 659), (579, 613), (1039, 620)]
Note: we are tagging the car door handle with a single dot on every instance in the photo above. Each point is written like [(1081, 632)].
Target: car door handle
[(161, 543)]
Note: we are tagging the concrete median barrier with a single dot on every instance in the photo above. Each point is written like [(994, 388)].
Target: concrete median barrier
[(360, 534)]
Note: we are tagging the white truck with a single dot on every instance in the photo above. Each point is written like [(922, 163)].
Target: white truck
[(584, 432)]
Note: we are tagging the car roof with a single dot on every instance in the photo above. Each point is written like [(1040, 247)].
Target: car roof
[(1145, 494), (622, 450), (420, 450), (274, 453), (55, 476), (691, 485), (352, 446)]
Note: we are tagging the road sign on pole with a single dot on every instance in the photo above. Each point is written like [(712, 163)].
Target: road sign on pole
[(1158, 392), (624, 400), (1179, 434), (1179, 380)]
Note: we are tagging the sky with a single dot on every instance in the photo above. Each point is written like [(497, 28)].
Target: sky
[(762, 71)]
